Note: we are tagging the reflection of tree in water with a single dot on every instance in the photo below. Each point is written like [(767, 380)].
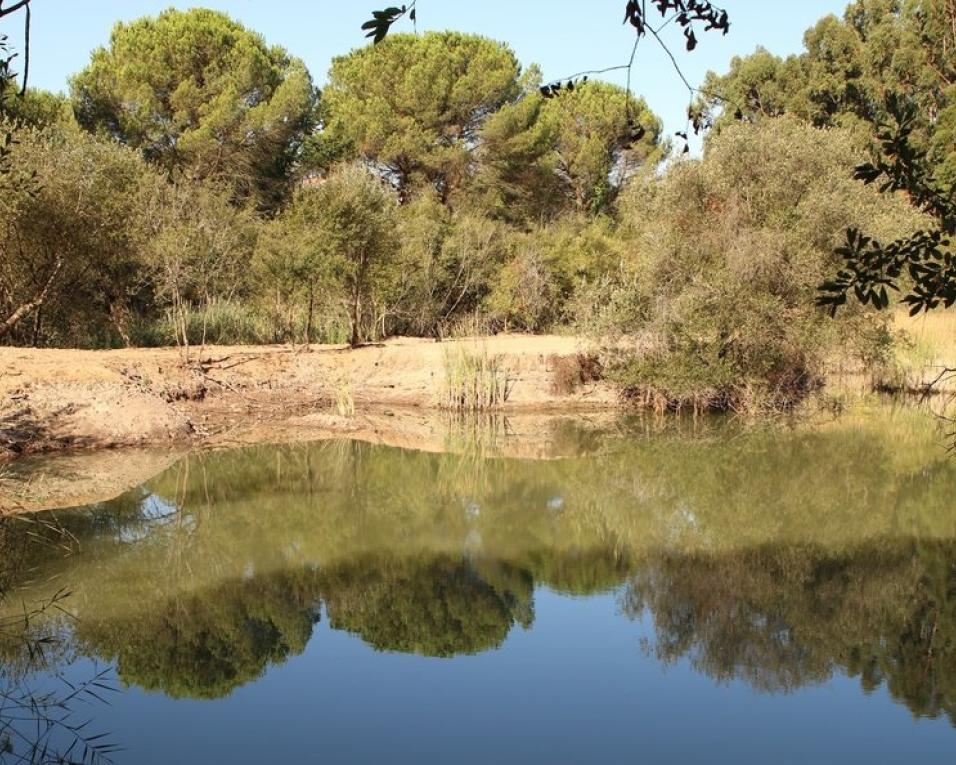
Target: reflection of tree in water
[(781, 618), (206, 644), (439, 607)]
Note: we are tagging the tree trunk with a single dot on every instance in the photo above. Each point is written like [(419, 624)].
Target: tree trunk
[(183, 329), (25, 309), (37, 325), (117, 320), (310, 315), (356, 315)]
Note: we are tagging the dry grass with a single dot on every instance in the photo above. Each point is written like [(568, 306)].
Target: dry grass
[(344, 399), (475, 381), (926, 349)]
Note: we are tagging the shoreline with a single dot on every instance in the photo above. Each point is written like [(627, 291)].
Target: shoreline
[(65, 480), (63, 400)]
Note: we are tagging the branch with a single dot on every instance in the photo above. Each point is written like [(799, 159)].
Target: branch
[(27, 308), (13, 8)]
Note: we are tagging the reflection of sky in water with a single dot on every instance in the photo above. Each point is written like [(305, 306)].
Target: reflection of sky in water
[(577, 688), (154, 512)]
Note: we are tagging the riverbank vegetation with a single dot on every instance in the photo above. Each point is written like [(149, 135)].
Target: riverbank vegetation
[(195, 187)]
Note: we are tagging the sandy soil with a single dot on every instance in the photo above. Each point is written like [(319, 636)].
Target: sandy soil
[(55, 400)]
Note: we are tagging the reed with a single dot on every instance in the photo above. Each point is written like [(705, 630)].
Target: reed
[(475, 381)]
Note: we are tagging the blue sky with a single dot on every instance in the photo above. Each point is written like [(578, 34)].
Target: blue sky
[(562, 36)]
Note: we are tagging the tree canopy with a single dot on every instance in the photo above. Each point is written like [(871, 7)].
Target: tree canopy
[(849, 67), (413, 105), (201, 96)]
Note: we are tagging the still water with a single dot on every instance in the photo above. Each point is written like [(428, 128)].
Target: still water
[(678, 592)]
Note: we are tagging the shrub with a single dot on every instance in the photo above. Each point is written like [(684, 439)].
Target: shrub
[(716, 292)]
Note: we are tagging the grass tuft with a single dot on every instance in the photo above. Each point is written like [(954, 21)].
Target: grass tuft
[(474, 381)]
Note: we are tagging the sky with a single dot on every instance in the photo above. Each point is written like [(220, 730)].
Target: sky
[(562, 36)]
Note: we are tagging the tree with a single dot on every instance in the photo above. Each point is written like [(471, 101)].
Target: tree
[(850, 69), (887, 69), (549, 270), (71, 246), (720, 292), (413, 106), (596, 144), (354, 225), (199, 250), (39, 108), (542, 156), (292, 258), (202, 97)]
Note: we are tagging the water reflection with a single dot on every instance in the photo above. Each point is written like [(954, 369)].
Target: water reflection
[(775, 557)]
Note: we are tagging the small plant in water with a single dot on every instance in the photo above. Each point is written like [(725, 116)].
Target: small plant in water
[(474, 381)]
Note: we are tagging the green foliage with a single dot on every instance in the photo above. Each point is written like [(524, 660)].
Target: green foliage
[(201, 97), (886, 70), (73, 240), (849, 67), (40, 108), (199, 249), (544, 156), (594, 146), (413, 105), (293, 263), (449, 262), (725, 255), (544, 282), (352, 219)]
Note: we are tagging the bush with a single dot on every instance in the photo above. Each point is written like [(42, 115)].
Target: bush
[(716, 293)]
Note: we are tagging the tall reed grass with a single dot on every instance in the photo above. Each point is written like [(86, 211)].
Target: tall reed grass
[(233, 322), (474, 381)]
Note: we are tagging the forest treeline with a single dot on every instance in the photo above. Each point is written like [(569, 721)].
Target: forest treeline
[(195, 186)]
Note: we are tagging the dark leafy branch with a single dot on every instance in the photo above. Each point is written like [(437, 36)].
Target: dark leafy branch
[(925, 259), (688, 14), (381, 22)]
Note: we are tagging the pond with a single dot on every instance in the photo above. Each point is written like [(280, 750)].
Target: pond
[(664, 591)]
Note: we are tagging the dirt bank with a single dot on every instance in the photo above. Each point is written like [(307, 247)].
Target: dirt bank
[(54, 400)]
